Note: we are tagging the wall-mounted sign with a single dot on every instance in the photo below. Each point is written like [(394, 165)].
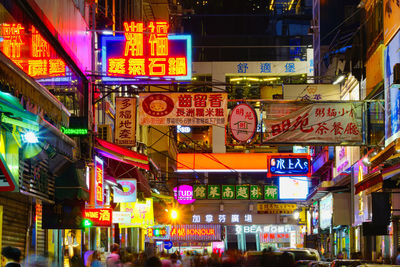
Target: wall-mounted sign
[(183, 129), (121, 217), (326, 211), (74, 131), (276, 208), (271, 228), (270, 192), (129, 191), (288, 165), (158, 232), (293, 187), (243, 122), (196, 232), (99, 175), (183, 108), (300, 123), (168, 245), (146, 50), (142, 214), (184, 194), (222, 218), (125, 121), (99, 217), (230, 192)]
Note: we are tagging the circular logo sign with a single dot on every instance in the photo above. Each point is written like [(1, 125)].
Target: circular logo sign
[(158, 105), (128, 188), (243, 122), (168, 245), (184, 194)]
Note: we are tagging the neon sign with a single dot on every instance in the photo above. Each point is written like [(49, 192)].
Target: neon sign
[(157, 232), (184, 194), (98, 173), (74, 131), (30, 51), (289, 165), (99, 217), (146, 50), (199, 232)]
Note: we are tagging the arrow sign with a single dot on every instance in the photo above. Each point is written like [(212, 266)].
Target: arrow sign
[(168, 245), (7, 183)]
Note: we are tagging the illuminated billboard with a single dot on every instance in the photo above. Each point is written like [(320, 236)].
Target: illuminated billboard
[(146, 51), (295, 188)]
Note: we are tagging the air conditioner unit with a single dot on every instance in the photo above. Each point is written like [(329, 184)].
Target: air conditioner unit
[(104, 132)]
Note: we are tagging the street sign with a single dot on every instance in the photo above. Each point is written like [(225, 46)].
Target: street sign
[(168, 245)]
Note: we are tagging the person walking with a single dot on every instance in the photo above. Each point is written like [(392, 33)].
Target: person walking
[(10, 257), (114, 260), (398, 256)]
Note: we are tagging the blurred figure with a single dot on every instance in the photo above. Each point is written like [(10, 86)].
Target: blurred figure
[(113, 260), (187, 260), (96, 259), (287, 260), (76, 260), (153, 262), (11, 257), (36, 261), (398, 256), (174, 260)]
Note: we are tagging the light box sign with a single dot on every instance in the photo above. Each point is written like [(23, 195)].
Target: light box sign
[(158, 232), (128, 193), (99, 217), (288, 165), (99, 177), (146, 51), (295, 188), (142, 214), (199, 232), (184, 194)]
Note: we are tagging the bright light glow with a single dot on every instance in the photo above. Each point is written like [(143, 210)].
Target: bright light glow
[(253, 79), (296, 215), (293, 187), (339, 79), (107, 32), (174, 214), (271, 6), (291, 4), (270, 79), (236, 79), (30, 138), (366, 161)]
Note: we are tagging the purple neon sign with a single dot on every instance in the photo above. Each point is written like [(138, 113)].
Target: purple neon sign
[(184, 194)]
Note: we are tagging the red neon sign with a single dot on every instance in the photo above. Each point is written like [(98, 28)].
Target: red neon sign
[(146, 54), (31, 52), (192, 232), (99, 217), (99, 181)]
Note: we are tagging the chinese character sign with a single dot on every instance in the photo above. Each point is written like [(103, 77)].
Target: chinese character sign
[(99, 217), (196, 232), (243, 122), (270, 192), (199, 191), (142, 214), (183, 109), (314, 123), (146, 49), (26, 47), (125, 121), (98, 172), (289, 165)]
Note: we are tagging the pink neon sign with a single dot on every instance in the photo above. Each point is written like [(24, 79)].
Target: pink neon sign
[(184, 194)]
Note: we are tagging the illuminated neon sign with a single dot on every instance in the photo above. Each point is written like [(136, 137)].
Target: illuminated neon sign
[(288, 165), (146, 51), (30, 51), (99, 217), (98, 173), (158, 232), (199, 232), (74, 131)]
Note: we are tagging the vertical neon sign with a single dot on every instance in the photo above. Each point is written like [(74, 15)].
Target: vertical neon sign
[(99, 175)]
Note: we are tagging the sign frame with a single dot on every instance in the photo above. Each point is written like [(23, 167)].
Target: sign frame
[(235, 132), (288, 156)]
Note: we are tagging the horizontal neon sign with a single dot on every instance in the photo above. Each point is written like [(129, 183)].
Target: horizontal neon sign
[(74, 131), (99, 217), (199, 232), (146, 51)]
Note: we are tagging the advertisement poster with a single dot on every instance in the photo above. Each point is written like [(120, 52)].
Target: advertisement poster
[(125, 121), (129, 191), (142, 214), (328, 122), (183, 109), (391, 18)]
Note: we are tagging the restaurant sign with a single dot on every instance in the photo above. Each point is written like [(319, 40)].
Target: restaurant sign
[(198, 232), (289, 165), (243, 122), (183, 108), (125, 121), (319, 122), (239, 192), (99, 217)]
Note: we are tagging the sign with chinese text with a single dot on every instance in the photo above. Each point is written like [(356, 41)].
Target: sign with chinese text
[(292, 188), (146, 50), (264, 229), (199, 191), (121, 217), (99, 217), (125, 121), (222, 218), (195, 232), (330, 122), (270, 192), (183, 108), (326, 211), (239, 192), (26, 47), (99, 175), (276, 208), (311, 92), (228, 192), (288, 165), (184, 194), (242, 192), (129, 192), (243, 122), (142, 214), (213, 192), (255, 192), (157, 232)]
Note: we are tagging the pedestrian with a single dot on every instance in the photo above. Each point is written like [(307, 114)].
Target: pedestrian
[(10, 257), (398, 256), (96, 260), (113, 260), (153, 262)]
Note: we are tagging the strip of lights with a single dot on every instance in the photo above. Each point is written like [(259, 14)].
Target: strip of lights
[(31, 126)]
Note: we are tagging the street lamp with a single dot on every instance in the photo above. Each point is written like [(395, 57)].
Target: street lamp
[(30, 137), (174, 214)]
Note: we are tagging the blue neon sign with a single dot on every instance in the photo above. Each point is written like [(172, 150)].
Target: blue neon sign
[(289, 166)]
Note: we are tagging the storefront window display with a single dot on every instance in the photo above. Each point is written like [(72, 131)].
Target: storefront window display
[(72, 246)]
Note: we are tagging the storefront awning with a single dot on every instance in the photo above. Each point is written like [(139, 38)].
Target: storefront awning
[(368, 181), (121, 154), (71, 184)]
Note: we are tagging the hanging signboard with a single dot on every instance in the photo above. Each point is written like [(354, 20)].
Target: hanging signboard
[(276, 208), (284, 164), (125, 121), (184, 194), (146, 50), (293, 188), (198, 232), (129, 191), (121, 217), (243, 123), (142, 214), (330, 122), (157, 232), (231, 192), (183, 108), (99, 217), (99, 175)]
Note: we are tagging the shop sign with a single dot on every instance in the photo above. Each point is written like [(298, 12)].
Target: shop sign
[(183, 129), (183, 109), (287, 165), (360, 200), (243, 123), (231, 192), (391, 18), (99, 175), (299, 123), (74, 131), (342, 159), (311, 92), (26, 47), (222, 218), (142, 214), (295, 188), (326, 211), (270, 192), (121, 217), (158, 232), (184, 194), (263, 229), (195, 232), (125, 121), (129, 192), (146, 50), (99, 217), (276, 208)]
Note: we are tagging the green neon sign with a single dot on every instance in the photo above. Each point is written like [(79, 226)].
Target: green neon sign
[(34, 126), (74, 131)]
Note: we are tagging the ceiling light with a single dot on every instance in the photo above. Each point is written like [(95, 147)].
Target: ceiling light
[(339, 79), (30, 138)]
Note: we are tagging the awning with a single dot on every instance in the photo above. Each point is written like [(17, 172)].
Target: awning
[(71, 184), (368, 181), (121, 154), (385, 154)]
